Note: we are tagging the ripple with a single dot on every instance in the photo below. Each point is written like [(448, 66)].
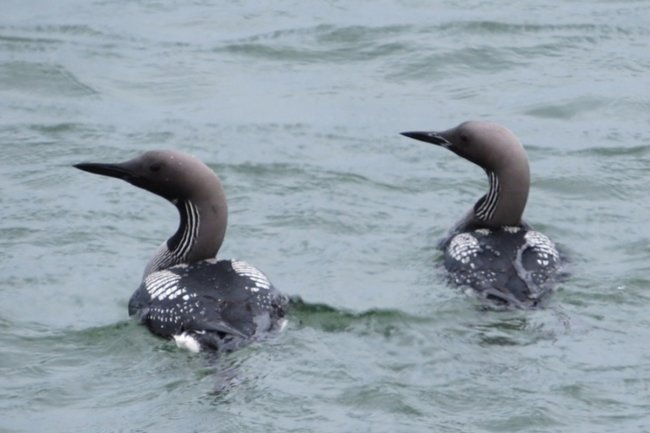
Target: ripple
[(461, 60), (323, 43), (330, 319), (568, 109), (42, 78), (509, 28)]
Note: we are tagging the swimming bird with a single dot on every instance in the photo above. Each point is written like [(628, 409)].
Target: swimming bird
[(186, 294), (492, 249)]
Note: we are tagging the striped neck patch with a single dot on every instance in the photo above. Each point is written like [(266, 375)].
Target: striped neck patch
[(487, 207)]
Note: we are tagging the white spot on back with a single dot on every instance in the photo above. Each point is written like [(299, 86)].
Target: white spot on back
[(542, 245), (463, 246), (162, 285)]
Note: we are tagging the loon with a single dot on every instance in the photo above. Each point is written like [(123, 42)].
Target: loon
[(491, 249), (186, 294)]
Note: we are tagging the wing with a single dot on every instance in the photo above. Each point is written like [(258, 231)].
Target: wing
[(539, 258)]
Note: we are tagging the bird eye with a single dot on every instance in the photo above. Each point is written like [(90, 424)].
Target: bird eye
[(464, 138), (155, 167)]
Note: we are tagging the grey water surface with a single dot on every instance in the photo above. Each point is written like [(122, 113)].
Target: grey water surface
[(298, 106)]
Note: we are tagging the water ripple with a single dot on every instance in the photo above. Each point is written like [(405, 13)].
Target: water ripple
[(320, 43), (43, 78)]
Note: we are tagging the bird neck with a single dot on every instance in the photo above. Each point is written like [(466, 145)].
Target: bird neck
[(183, 242), (505, 201), (199, 235)]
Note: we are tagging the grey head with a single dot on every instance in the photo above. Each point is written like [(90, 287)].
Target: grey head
[(192, 187), (498, 151)]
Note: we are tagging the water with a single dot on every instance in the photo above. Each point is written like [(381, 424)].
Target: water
[(297, 106)]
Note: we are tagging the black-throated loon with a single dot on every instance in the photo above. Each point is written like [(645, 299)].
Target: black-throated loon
[(186, 294), (491, 249)]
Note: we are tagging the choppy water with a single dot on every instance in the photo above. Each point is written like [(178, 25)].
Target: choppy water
[(297, 106)]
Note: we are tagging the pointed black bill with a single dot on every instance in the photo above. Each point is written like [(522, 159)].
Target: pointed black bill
[(119, 171), (428, 137)]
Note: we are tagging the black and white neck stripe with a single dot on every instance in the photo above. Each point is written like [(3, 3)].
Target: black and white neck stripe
[(486, 208), (190, 231), (177, 249)]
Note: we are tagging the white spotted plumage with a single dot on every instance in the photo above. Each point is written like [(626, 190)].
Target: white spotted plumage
[(509, 262), (260, 281), (463, 247), (163, 284), (544, 247)]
